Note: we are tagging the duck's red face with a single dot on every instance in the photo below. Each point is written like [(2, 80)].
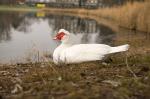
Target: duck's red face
[(59, 36)]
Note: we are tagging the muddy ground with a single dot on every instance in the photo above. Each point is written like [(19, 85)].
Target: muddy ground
[(116, 78)]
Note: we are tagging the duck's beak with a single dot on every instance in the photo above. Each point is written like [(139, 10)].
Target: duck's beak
[(55, 38)]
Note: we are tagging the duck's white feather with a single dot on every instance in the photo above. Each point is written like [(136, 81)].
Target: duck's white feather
[(68, 53), (84, 52)]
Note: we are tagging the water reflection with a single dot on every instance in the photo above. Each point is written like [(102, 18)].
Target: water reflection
[(8, 21), (86, 30), (19, 32)]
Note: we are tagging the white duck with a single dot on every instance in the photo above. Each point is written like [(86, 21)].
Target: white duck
[(76, 53)]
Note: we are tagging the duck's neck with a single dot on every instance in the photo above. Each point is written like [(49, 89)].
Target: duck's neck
[(65, 45), (66, 42)]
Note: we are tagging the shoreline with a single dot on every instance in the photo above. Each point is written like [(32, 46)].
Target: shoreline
[(118, 17), (83, 13), (17, 9), (126, 16)]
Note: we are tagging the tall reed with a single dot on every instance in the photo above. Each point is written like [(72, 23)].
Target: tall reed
[(131, 15)]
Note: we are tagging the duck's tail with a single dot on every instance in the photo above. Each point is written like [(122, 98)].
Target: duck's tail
[(119, 48)]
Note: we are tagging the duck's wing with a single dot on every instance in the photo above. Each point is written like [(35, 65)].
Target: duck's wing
[(85, 52)]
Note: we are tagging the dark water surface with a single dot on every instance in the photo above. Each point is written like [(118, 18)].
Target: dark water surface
[(26, 35)]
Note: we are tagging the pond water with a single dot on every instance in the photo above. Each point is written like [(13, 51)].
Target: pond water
[(29, 35)]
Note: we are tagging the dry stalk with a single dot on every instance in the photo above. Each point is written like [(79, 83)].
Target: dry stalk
[(128, 67), (51, 66)]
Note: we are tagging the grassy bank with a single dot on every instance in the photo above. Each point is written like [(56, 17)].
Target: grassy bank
[(77, 81)]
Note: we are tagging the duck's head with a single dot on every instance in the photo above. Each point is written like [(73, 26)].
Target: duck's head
[(62, 35)]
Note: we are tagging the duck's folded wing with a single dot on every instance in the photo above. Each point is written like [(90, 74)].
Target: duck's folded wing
[(86, 52)]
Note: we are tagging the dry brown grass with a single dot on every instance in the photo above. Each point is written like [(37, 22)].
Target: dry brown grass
[(131, 15), (77, 81)]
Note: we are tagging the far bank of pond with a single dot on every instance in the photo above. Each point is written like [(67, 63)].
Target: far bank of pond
[(134, 16)]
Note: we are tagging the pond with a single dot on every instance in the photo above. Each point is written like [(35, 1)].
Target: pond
[(28, 36)]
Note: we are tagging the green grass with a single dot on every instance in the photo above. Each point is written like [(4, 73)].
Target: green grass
[(18, 8)]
